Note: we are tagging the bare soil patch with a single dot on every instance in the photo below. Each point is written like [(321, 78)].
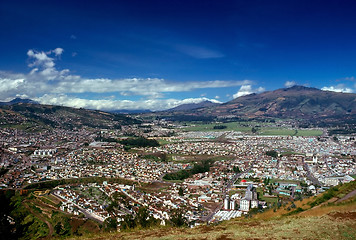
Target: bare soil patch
[(224, 237), (344, 215)]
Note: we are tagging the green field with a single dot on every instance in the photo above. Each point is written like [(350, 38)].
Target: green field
[(266, 199), (163, 141), (264, 129), (231, 126), (290, 132)]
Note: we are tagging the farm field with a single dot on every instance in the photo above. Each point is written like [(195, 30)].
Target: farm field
[(263, 129)]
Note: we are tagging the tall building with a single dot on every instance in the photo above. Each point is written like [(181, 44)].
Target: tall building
[(250, 200), (226, 203)]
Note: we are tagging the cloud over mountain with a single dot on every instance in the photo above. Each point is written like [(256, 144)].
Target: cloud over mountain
[(246, 90), (49, 85)]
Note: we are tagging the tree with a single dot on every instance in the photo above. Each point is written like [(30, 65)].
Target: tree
[(253, 130), (219, 127), (142, 218), (110, 224), (272, 153), (236, 169), (177, 218), (113, 204), (62, 229), (181, 192), (128, 222)]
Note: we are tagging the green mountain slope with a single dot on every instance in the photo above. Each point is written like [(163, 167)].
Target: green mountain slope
[(36, 116)]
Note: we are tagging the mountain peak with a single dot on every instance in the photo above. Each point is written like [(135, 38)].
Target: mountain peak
[(300, 88), (22, 100), (294, 102), (18, 100)]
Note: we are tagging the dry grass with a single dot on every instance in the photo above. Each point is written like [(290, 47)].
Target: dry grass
[(334, 226), (329, 220), (279, 212), (326, 222)]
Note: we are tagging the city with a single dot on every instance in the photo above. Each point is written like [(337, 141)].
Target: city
[(182, 120), (273, 168)]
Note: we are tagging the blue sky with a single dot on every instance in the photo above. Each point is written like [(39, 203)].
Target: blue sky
[(159, 54)]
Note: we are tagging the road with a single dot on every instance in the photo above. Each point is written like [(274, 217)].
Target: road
[(310, 176), (82, 210), (210, 215), (49, 225), (226, 189), (347, 196)]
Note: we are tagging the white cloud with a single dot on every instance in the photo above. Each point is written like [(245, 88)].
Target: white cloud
[(135, 86), (40, 59), (260, 89), (217, 97), (44, 80), (289, 84), (8, 85), (338, 88), (246, 90), (110, 104), (58, 51)]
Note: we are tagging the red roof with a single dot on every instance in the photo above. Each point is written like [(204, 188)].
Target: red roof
[(243, 180)]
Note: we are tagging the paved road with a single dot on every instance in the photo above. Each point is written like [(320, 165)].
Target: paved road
[(210, 215), (347, 196), (226, 188), (310, 176), (82, 210)]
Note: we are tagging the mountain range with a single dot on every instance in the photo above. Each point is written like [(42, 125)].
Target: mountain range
[(304, 104), (192, 106), (297, 102), (24, 114)]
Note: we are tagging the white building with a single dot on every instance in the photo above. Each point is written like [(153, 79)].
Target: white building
[(226, 203), (232, 205), (44, 152), (250, 200), (244, 205)]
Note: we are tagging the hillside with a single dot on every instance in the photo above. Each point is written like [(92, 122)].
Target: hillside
[(297, 101), (331, 215), (35, 213), (192, 106), (308, 105), (34, 117)]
